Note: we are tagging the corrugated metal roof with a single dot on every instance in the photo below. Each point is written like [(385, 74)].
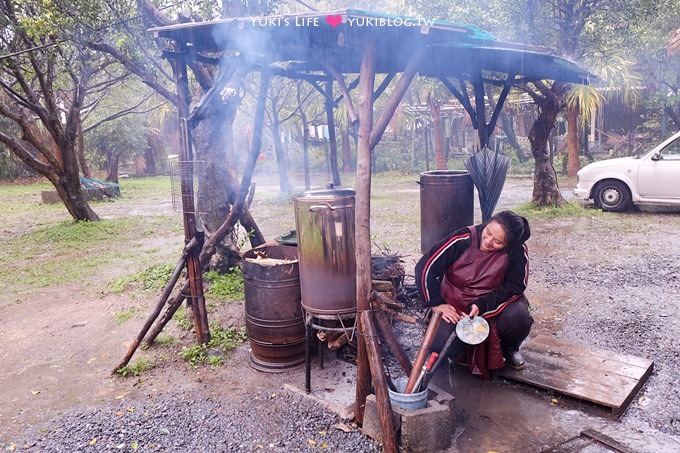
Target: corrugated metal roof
[(312, 42)]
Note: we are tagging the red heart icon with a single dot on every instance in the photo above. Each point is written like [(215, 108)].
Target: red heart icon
[(334, 20)]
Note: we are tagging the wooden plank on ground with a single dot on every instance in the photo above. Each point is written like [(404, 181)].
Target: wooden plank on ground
[(601, 377)]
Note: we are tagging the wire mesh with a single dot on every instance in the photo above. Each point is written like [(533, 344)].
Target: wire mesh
[(189, 197)]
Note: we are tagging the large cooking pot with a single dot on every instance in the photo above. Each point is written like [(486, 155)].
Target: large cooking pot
[(325, 238)]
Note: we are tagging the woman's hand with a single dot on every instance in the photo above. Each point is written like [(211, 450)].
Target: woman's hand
[(450, 314), (474, 310)]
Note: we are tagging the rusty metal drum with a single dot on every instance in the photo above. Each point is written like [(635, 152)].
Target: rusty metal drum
[(446, 204), (274, 321), (325, 233)]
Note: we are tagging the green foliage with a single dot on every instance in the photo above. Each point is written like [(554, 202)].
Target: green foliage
[(569, 209), (138, 367), (165, 340), (184, 319), (125, 137), (226, 286), (124, 315), (222, 341), (152, 278)]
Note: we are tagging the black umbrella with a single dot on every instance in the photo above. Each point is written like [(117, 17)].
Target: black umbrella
[(487, 169)]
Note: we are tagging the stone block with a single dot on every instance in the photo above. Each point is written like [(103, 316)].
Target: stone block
[(422, 430)]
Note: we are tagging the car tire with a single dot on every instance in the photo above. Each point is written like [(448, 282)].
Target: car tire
[(612, 195)]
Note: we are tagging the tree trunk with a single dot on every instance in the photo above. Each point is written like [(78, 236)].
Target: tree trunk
[(437, 133), (81, 152), (281, 157), (212, 138), (572, 142), (112, 167), (346, 151), (546, 191), (305, 150)]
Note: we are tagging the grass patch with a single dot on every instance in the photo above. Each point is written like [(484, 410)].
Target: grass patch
[(145, 188), (72, 252), (184, 319), (165, 340), (222, 341), (226, 287), (152, 278), (124, 315), (135, 369), (569, 209)]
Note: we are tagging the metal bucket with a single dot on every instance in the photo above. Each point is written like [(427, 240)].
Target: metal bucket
[(325, 232), (446, 204), (407, 401), (274, 321)]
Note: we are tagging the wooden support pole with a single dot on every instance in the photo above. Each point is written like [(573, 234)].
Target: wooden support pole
[(173, 306), (362, 224), (382, 397), (391, 341), (191, 230), (181, 263), (330, 120)]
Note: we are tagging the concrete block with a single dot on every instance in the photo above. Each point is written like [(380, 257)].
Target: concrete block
[(422, 430), (50, 196)]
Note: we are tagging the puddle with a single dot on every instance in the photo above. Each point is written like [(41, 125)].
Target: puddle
[(502, 416)]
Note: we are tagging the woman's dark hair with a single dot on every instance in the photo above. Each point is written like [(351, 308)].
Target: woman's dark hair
[(516, 227)]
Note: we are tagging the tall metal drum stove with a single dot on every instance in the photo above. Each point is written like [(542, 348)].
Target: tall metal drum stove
[(274, 320), (446, 204)]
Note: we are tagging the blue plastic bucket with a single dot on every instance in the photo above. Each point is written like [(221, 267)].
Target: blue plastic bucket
[(407, 401)]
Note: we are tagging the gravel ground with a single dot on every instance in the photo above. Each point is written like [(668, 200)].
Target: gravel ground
[(609, 281), (184, 421), (616, 288)]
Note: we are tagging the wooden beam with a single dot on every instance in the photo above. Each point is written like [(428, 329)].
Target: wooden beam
[(463, 99), (330, 119), (383, 85), (382, 397), (501, 101), (396, 97), (339, 77), (480, 107), (362, 215)]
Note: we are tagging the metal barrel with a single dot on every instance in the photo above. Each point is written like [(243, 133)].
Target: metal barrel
[(274, 321), (446, 204), (325, 232)]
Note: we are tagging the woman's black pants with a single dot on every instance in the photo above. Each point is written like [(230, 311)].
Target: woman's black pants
[(513, 324)]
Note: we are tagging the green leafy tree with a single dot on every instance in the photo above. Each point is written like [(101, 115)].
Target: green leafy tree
[(46, 76)]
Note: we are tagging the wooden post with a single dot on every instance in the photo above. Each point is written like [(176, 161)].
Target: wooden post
[(189, 212), (480, 107), (362, 214), (369, 136), (330, 119), (382, 397)]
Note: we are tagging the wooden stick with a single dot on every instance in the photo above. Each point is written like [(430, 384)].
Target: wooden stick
[(173, 306), (382, 397), (391, 341), (159, 306), (424, 350), (384, 300), (396, 316)]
